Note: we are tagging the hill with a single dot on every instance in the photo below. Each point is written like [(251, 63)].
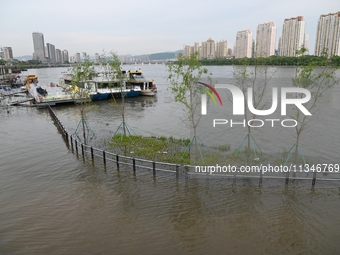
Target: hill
[(26, 57), (163, 55)]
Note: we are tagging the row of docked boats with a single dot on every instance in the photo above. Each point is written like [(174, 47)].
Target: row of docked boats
[(102, 87)]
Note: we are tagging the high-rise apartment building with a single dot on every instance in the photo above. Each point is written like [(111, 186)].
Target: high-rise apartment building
[(196, 48), (64, 57), (186, 50), (208, 49), (8, 53), (51, 53), (265, 40), (221, 49), (328, 34), (293, 36), (77, 58), (243, 44), (58, 57), (39, 47), (306, 41), (189, 50)]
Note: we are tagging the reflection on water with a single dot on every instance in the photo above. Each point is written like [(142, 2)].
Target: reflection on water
[(53, 203)]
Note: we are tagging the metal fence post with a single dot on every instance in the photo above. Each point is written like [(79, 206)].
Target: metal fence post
[(76, 146), (314, 179), (287, 178), (104, 157), (82, 150), (117, 161)]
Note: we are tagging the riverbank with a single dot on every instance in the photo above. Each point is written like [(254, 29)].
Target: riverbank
[(275, 61)]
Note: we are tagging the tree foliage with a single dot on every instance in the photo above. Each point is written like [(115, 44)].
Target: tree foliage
[(82, 74), (111, 66), (274, 61), (184, 76), (257, 78), (316, 78)]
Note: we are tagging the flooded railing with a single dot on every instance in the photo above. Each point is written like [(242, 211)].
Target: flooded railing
[(105, 158)]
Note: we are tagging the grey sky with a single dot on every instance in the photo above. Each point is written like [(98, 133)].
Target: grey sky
[(149, 26)]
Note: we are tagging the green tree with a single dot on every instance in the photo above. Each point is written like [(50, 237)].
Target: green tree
[(316, 79), (184, 76), (116, 79), (80, 89), (254, 79)]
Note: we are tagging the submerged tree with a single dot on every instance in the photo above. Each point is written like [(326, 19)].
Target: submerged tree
[(116, 81), (80, 88), (317, 80), (184, 75), (254, 82)]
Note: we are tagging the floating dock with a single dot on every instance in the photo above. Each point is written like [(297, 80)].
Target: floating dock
[(53, 94)]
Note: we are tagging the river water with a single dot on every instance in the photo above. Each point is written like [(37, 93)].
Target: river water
[(51, 202)]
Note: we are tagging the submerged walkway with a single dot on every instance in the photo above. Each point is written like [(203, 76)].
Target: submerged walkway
[(136, 164)]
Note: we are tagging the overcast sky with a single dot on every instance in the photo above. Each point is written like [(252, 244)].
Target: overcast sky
[(144, 27)]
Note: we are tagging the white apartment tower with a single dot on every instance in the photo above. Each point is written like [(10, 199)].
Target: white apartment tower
[(328, 34), (293, 36), (51, 53), (243, 44), (221, 49), (265, 40), (306, 42), (196, 47), (64, 56), (186, 50), (76, 58), (58, 58), (39, 47), (208, 49), (8, 53)]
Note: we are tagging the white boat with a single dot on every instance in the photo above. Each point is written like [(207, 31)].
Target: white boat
[(146, 91), (102, 88), (136, 78)]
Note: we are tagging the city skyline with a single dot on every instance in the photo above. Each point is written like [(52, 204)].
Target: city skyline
[(144, 28)]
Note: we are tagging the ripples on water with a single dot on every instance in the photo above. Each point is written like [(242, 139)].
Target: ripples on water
[(51, 202)]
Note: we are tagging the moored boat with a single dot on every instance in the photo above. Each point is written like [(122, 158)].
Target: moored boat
[(136, 78), (103, 88)]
